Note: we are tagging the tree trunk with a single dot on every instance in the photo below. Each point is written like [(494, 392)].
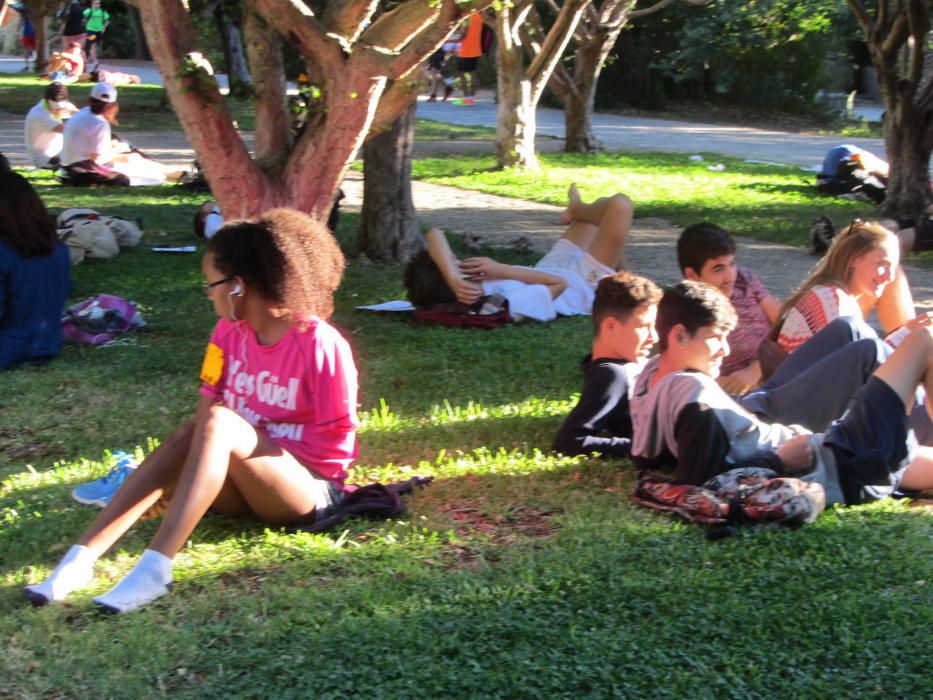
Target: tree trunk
[(239, 185), (234, 55), (588, 63), (141, 49), (41, 25), (578, 119), (515, 117), (908, 143), (389, 228), (898, 43), (322, 156), (267, 65)]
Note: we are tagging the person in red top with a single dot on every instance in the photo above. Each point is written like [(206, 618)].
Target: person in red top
[(471, 48), (274, 430)]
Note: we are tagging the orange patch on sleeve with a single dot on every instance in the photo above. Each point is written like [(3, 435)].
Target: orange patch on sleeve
[(213, 366)]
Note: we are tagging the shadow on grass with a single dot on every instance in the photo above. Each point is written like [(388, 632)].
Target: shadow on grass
[(546, 584)]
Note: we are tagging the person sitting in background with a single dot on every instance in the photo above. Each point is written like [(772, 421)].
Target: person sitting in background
[(45, 124), (706, 253), (34, 279), (66, 66), (88, 140)]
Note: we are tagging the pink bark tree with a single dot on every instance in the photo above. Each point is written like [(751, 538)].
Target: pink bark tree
[(366, 64)]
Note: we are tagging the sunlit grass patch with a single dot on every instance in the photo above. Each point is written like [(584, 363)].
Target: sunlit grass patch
[(769, 202)]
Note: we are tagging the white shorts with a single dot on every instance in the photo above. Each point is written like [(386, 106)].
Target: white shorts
[(582, 272)]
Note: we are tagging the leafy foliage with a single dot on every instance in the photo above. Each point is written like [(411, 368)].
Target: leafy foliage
[(771, 54)]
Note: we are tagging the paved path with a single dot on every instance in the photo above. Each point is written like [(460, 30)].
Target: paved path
[(615, 132)]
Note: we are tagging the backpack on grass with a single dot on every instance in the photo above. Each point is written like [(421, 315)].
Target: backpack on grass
[(738, 496), (489, 312), (95, 236), (100, 319)]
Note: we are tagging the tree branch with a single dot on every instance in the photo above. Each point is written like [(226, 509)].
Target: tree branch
[(660, 5), (919, 25), (267, 68), (897, 35), (348, 18), (861, 16), (395, 100), (433, 34), (297, 24), (554, 44)]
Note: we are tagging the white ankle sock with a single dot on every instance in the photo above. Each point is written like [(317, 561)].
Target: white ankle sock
[(151, 578), (75, 570)]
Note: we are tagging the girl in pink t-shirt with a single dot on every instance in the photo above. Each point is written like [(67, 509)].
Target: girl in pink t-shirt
[(274, 431)]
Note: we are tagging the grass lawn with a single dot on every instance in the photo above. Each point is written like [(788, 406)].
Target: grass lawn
[(516, 574), (769, 202)]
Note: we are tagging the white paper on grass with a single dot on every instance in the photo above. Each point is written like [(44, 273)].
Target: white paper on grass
[(398, 305)]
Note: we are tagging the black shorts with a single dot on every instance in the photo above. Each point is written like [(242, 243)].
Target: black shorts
[(436, 61), (872, 443), (93, 38), (467, 65)]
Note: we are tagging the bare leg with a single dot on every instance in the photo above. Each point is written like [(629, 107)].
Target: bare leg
[(919, 473), (911, 365), (612, 218), (896, 303), (154, 478), (238, 469), (226, 451)]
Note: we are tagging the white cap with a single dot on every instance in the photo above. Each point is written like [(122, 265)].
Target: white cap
[(105, 92)]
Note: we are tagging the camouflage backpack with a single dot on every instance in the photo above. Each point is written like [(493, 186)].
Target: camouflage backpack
[(735, 497)]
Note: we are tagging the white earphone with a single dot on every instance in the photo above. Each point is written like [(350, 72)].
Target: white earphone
[(238, 290)]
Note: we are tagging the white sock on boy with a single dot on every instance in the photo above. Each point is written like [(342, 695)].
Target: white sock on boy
[(151, 578), (74, 571)]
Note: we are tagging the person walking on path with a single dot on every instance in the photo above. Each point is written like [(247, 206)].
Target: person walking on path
[(96, 20), (73, 31), (471, 48)]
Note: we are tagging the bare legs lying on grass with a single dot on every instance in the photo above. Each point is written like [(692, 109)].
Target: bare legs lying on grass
[(599, 229)]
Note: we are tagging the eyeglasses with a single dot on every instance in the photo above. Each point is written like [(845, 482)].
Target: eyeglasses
[(208, 286)]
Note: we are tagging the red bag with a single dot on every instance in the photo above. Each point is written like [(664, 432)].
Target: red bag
[(489, 312)]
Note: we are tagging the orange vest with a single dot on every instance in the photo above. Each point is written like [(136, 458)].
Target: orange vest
[(471, 44)]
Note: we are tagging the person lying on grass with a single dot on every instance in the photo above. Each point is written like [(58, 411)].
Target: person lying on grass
[(706, 253), (561, 283), (683, 418), (624, 312), (275, 428)]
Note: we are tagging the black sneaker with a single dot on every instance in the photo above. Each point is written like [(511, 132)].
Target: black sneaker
[(821, 234)]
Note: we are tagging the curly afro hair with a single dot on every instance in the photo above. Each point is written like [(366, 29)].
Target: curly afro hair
[(286, 255)]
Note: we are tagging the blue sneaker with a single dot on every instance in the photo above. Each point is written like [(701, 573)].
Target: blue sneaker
[(98, 493)]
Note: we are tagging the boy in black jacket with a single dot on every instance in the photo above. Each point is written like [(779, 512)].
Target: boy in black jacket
[(624, 310)]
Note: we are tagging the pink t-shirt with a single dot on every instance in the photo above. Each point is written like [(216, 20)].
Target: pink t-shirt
[(300, 390), (753, 325)]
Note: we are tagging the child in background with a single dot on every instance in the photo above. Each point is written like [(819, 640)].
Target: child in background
[(706, 253)]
